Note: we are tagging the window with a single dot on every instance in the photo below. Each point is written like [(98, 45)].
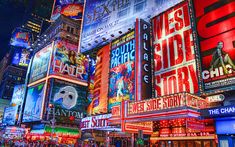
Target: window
[(68, 28), (72, 29)]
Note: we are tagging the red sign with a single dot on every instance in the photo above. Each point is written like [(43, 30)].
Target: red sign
[(195, 125), (174, 57), (216, 35), (166, 102), (146, 127)]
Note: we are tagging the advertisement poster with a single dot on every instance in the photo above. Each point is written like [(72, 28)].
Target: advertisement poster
[(101, 81), (216, 36), (121, 74), (40, 64), (174, 56), (21, 57), (34, 103), (9, 116), (21, 38), (69, 101), (68, 63), (104, 18), (70, 8), (18, 94)]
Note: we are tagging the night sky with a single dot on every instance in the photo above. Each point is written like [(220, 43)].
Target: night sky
[(11, 16)]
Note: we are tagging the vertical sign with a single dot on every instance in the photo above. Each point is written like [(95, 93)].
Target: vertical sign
[(174, 57), (122, 75), (143, 61), (101, 81), (216, 34)]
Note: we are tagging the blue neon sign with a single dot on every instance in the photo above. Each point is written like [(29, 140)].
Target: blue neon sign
[(219, 111)]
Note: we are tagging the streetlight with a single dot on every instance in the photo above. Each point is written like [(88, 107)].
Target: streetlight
[(53, 120)]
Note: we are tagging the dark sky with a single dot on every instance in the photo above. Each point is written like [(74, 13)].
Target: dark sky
[(11, 16)]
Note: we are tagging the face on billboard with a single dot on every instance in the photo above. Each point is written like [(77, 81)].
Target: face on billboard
[(122, 75), (21, 57), (34, 103), (116, 16), (9, 117), (40, 64), (69, 8), (174, 57), (216, 35), (69, 100), (21, 38), (18, 95), (68, 63)]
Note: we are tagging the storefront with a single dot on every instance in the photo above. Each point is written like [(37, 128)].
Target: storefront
[(172, 120), (224, 117)]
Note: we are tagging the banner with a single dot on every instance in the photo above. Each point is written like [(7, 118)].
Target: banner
[(68, 63), (69, 101), (100, 100), (117, 17), (10, 114), (174, 56), (34, 103), (18, 94), (70, 8), (40, 64), (216, 36), (122, 70), (21, 57)]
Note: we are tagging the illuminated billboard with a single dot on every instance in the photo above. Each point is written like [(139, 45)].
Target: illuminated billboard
[(174, 56), (18, 94), (21, 38), (104, 18), (122, 69), (10, 114), (216, 36), (40, 64), (68, 63), (70, 8), (21, 57), (101, 81), (69, 101), (34, 103)]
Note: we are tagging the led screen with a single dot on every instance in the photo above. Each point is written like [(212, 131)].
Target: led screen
[(40, 64), (34, 103), (18, 94), (21, 38), (9, 116), (70, 8), (21, 57)]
